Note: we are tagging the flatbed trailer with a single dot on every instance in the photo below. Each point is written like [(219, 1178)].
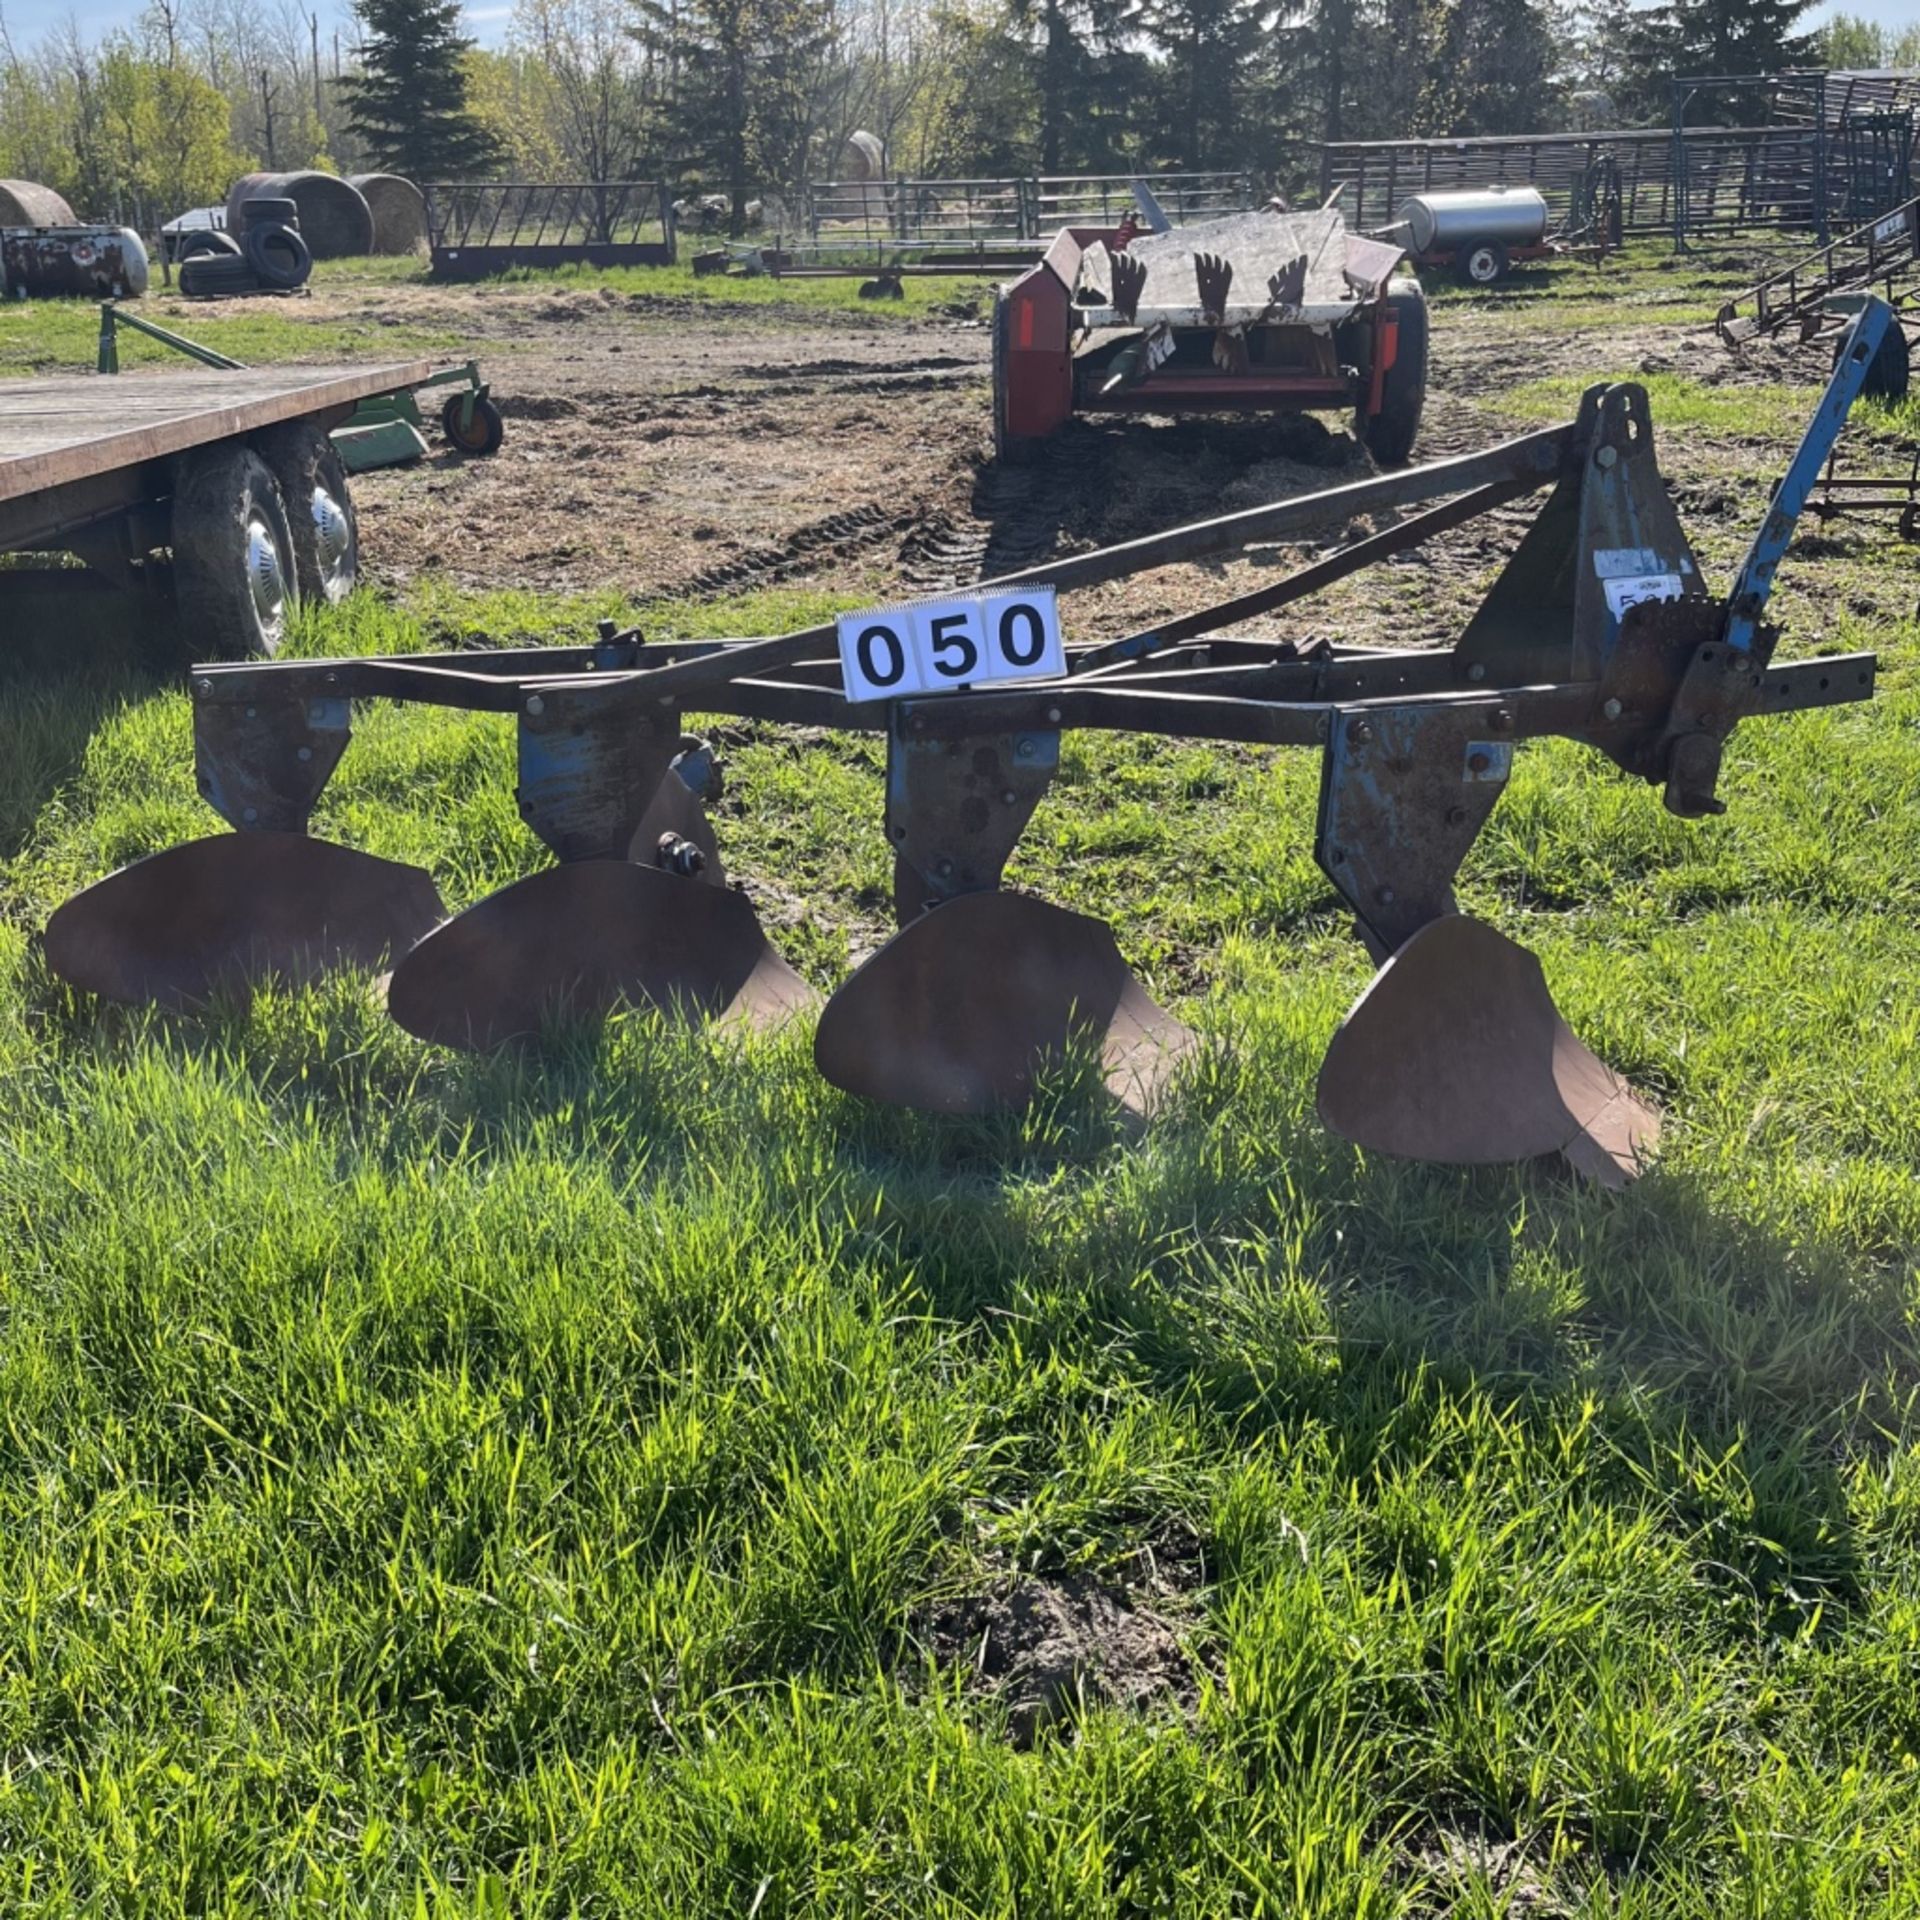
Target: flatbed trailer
[(229, 470)]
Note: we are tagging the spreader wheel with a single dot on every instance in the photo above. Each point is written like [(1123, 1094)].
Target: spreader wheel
[(1389, 434), (1481, 264), (482, 435), (233, 564)]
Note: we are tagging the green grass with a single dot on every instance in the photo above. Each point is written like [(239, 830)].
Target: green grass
[(63, 336), (456, 1487)]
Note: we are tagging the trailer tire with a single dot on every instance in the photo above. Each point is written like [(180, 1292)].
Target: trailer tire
[(1480, 264), (1889, 371), (321, 522), (233, 573), (203, 240), (489, 426), (1389, 435), (278, 256)]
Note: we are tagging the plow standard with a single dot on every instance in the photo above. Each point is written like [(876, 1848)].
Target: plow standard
[(1600, 628)]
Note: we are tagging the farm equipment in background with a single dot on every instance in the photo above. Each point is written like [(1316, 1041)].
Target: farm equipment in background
[(1816, 298), (1599, 629), (1478, 234), (54, 263), (1265, 311), (386, 430)]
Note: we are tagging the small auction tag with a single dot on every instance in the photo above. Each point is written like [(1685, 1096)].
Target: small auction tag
[(964, 640), (1631, 589)]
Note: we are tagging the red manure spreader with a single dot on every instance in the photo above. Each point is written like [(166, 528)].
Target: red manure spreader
[(1255, 312)]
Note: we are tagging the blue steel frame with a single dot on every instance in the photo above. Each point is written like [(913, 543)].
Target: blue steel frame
[(1754, 582)]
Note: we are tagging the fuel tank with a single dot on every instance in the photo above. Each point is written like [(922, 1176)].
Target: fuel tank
[(89, 263), (1514, 216)]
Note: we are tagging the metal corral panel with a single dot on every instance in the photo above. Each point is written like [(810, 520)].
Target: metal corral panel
[(72, 426)]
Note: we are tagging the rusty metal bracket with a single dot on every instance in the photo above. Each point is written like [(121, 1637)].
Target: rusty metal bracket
[(1129, 283), (956, 808), (264, 763), (1554, 613), (1404, 791), (590, 765)]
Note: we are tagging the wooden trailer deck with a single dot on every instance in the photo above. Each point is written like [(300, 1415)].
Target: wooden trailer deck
[(75, 427)]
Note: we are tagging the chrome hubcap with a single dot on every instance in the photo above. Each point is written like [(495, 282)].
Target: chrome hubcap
[(332, 543), (267, 579)]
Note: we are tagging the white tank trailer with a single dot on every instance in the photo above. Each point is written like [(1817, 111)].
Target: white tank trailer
[(1476, 230)]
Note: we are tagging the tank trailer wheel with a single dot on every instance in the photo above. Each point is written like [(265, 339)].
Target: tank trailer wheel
[(233, 567), (1481, 264), (1389, 435), (484, 436), (324, 528)]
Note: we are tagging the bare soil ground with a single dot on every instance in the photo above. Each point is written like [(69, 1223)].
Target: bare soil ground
[(663, 446)]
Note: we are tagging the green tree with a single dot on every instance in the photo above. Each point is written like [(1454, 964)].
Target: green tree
[(1491, 69), (1727, 37), (1847, 41), (1205, 48), (746, 88), (1080, 41), (408, 105)]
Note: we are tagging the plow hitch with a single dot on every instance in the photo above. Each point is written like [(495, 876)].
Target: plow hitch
[(1601, 628)]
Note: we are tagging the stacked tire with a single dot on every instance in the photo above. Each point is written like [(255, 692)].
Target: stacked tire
[(268, 255)]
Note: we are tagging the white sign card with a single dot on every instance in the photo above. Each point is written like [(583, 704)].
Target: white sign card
[(939, 646)]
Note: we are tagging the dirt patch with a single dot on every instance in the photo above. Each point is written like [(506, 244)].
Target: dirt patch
[(1454, 1858), (1049, 1646)]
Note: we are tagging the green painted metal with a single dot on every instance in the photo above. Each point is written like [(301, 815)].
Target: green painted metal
[(387, 430)]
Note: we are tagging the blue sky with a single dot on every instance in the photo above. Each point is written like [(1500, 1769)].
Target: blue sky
[(487, 19)]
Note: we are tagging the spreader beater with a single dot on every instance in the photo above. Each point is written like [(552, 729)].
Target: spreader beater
[(1601, 628)]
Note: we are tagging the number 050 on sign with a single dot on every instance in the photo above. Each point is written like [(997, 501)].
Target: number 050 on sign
[(970, 640)]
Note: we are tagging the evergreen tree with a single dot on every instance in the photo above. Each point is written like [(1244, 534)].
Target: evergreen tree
[(1206, 46), (747, 84), (408, 103), (1080, 63), (1491, 69), (1687, 37)]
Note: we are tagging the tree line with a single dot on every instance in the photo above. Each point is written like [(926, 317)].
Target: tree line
[(751, 97)]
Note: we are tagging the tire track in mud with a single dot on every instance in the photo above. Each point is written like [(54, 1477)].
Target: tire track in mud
[(840, 536), (1014, 521)]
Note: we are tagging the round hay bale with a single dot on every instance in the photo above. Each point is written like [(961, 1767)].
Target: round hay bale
[(863, 158), (26, 203), (334, 220), (399, 211)]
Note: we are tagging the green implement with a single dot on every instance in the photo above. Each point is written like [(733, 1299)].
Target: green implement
[(386, 430)]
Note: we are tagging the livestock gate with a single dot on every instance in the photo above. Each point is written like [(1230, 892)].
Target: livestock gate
[(476, 228), (865, 217), (1802, 152)]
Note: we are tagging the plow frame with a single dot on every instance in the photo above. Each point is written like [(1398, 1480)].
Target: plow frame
[(1599, 629)]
